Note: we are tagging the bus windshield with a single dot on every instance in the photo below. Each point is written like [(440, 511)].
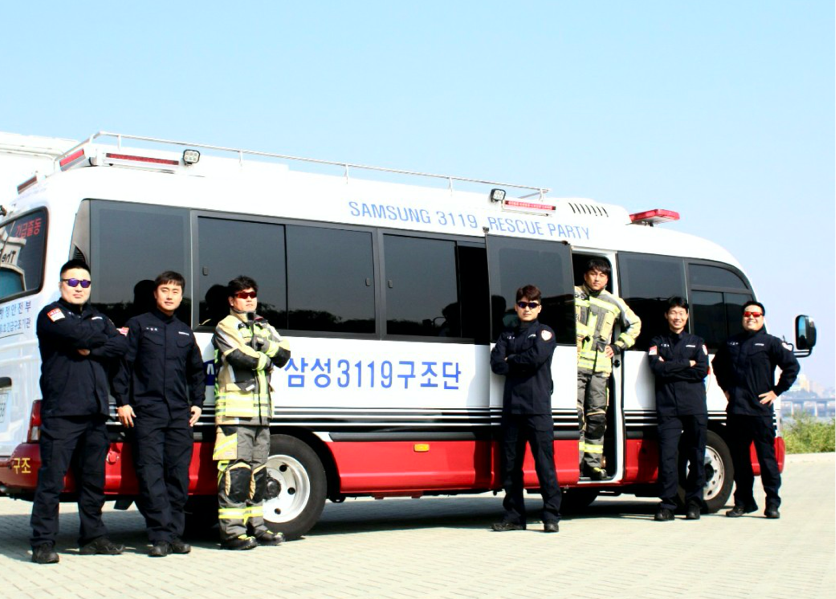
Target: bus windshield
[(22, 245)]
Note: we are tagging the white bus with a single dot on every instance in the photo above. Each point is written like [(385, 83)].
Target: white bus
[(391, 295)]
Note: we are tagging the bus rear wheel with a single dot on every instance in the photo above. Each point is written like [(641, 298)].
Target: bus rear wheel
[(296, 488)]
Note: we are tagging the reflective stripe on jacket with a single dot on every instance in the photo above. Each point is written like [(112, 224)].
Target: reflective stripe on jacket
[(596, 314), (245, 352)]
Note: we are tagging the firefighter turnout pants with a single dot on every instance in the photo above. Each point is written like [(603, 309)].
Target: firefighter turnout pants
[(592, 418), (242, 453)]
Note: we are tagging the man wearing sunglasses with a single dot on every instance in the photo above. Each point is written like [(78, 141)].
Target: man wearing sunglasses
[(597, 312), (524, 356), (745, 370), (159, 391), (78, 345), (246, 350)]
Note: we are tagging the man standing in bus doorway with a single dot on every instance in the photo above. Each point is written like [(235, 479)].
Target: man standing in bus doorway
[(597, 311), (679, 361), (159, 391), (78, 345), (745, 369), (524, 356), (246, 350)]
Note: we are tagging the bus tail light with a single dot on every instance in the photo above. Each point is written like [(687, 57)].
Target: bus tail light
[(35, 422)]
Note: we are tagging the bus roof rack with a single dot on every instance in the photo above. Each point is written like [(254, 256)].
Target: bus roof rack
[(346, 166)]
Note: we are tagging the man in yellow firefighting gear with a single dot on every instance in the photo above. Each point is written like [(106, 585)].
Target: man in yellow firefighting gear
[(597, 311), (246, 350)]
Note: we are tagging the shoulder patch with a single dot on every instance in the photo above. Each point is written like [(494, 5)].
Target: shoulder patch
[(653, 351), (124, 331), (55, 314), (705, 350), (546, 335)]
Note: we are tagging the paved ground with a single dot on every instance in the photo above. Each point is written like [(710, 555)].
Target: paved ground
[(441, 547)]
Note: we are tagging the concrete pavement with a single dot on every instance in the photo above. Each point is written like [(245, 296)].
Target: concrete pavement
[(441, 547)]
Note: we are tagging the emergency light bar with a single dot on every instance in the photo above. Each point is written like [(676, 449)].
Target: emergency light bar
[(653, 217)]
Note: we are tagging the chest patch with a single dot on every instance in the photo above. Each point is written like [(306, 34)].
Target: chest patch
[(183, 333), (55, 314)]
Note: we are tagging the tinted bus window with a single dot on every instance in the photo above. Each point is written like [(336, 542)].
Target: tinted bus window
[(647, 282), (703, 275), (22, 244), (330, 280), (513, 263), (421, 287), (230, 248), (474, 292), (130, 245), (716, 315)]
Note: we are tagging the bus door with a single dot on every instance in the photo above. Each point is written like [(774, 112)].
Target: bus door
[(514, 263), (626, 369)]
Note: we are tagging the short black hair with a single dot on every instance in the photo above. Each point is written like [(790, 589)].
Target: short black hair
[(241, 283), (754, 303), (169, 276), (532, 292), (677, 302), (74, 263), (598, 264)]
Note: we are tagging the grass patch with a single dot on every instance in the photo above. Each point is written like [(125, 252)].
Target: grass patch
[(805, 434)]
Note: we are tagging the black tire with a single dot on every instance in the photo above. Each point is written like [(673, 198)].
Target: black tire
[(719, 474), (297, 489), (577, 500)]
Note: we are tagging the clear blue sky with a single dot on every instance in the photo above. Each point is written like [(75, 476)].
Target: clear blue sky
[(723, 111)]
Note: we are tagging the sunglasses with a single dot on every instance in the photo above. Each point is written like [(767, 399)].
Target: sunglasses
[(530, 305), (85, 283), (246, 294), (752, 314)]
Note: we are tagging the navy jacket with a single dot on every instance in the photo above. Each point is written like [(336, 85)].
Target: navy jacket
[(163, 367), (680, 387), (745, 367), (72, 384), (524, 356)]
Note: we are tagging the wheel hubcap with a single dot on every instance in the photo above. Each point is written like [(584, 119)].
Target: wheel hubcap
[(294, 489), (715, 474)]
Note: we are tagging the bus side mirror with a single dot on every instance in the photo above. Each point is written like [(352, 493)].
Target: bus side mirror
[(805, 335)]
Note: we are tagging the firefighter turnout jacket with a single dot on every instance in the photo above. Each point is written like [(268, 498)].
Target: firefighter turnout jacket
[(73, 384), (524, 356), (745, 368), (246, 349), (680, 387), (596, 314)]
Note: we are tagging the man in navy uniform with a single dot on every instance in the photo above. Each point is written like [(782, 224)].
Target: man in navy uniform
[(524, 356), (78, 345), (745, 369), (679, 361), (160, 389)]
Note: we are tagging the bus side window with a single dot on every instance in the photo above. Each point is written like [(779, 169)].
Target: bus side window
[(646, 283), (718, 295)]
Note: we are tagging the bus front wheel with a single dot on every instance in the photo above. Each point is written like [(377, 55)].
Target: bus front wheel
[(296, 487)]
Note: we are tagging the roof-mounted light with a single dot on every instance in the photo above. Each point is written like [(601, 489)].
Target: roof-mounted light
[(71, 159), (528, 207), (28, 183), (191, 157), (497, 195), (653, 217), (144, 159)]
